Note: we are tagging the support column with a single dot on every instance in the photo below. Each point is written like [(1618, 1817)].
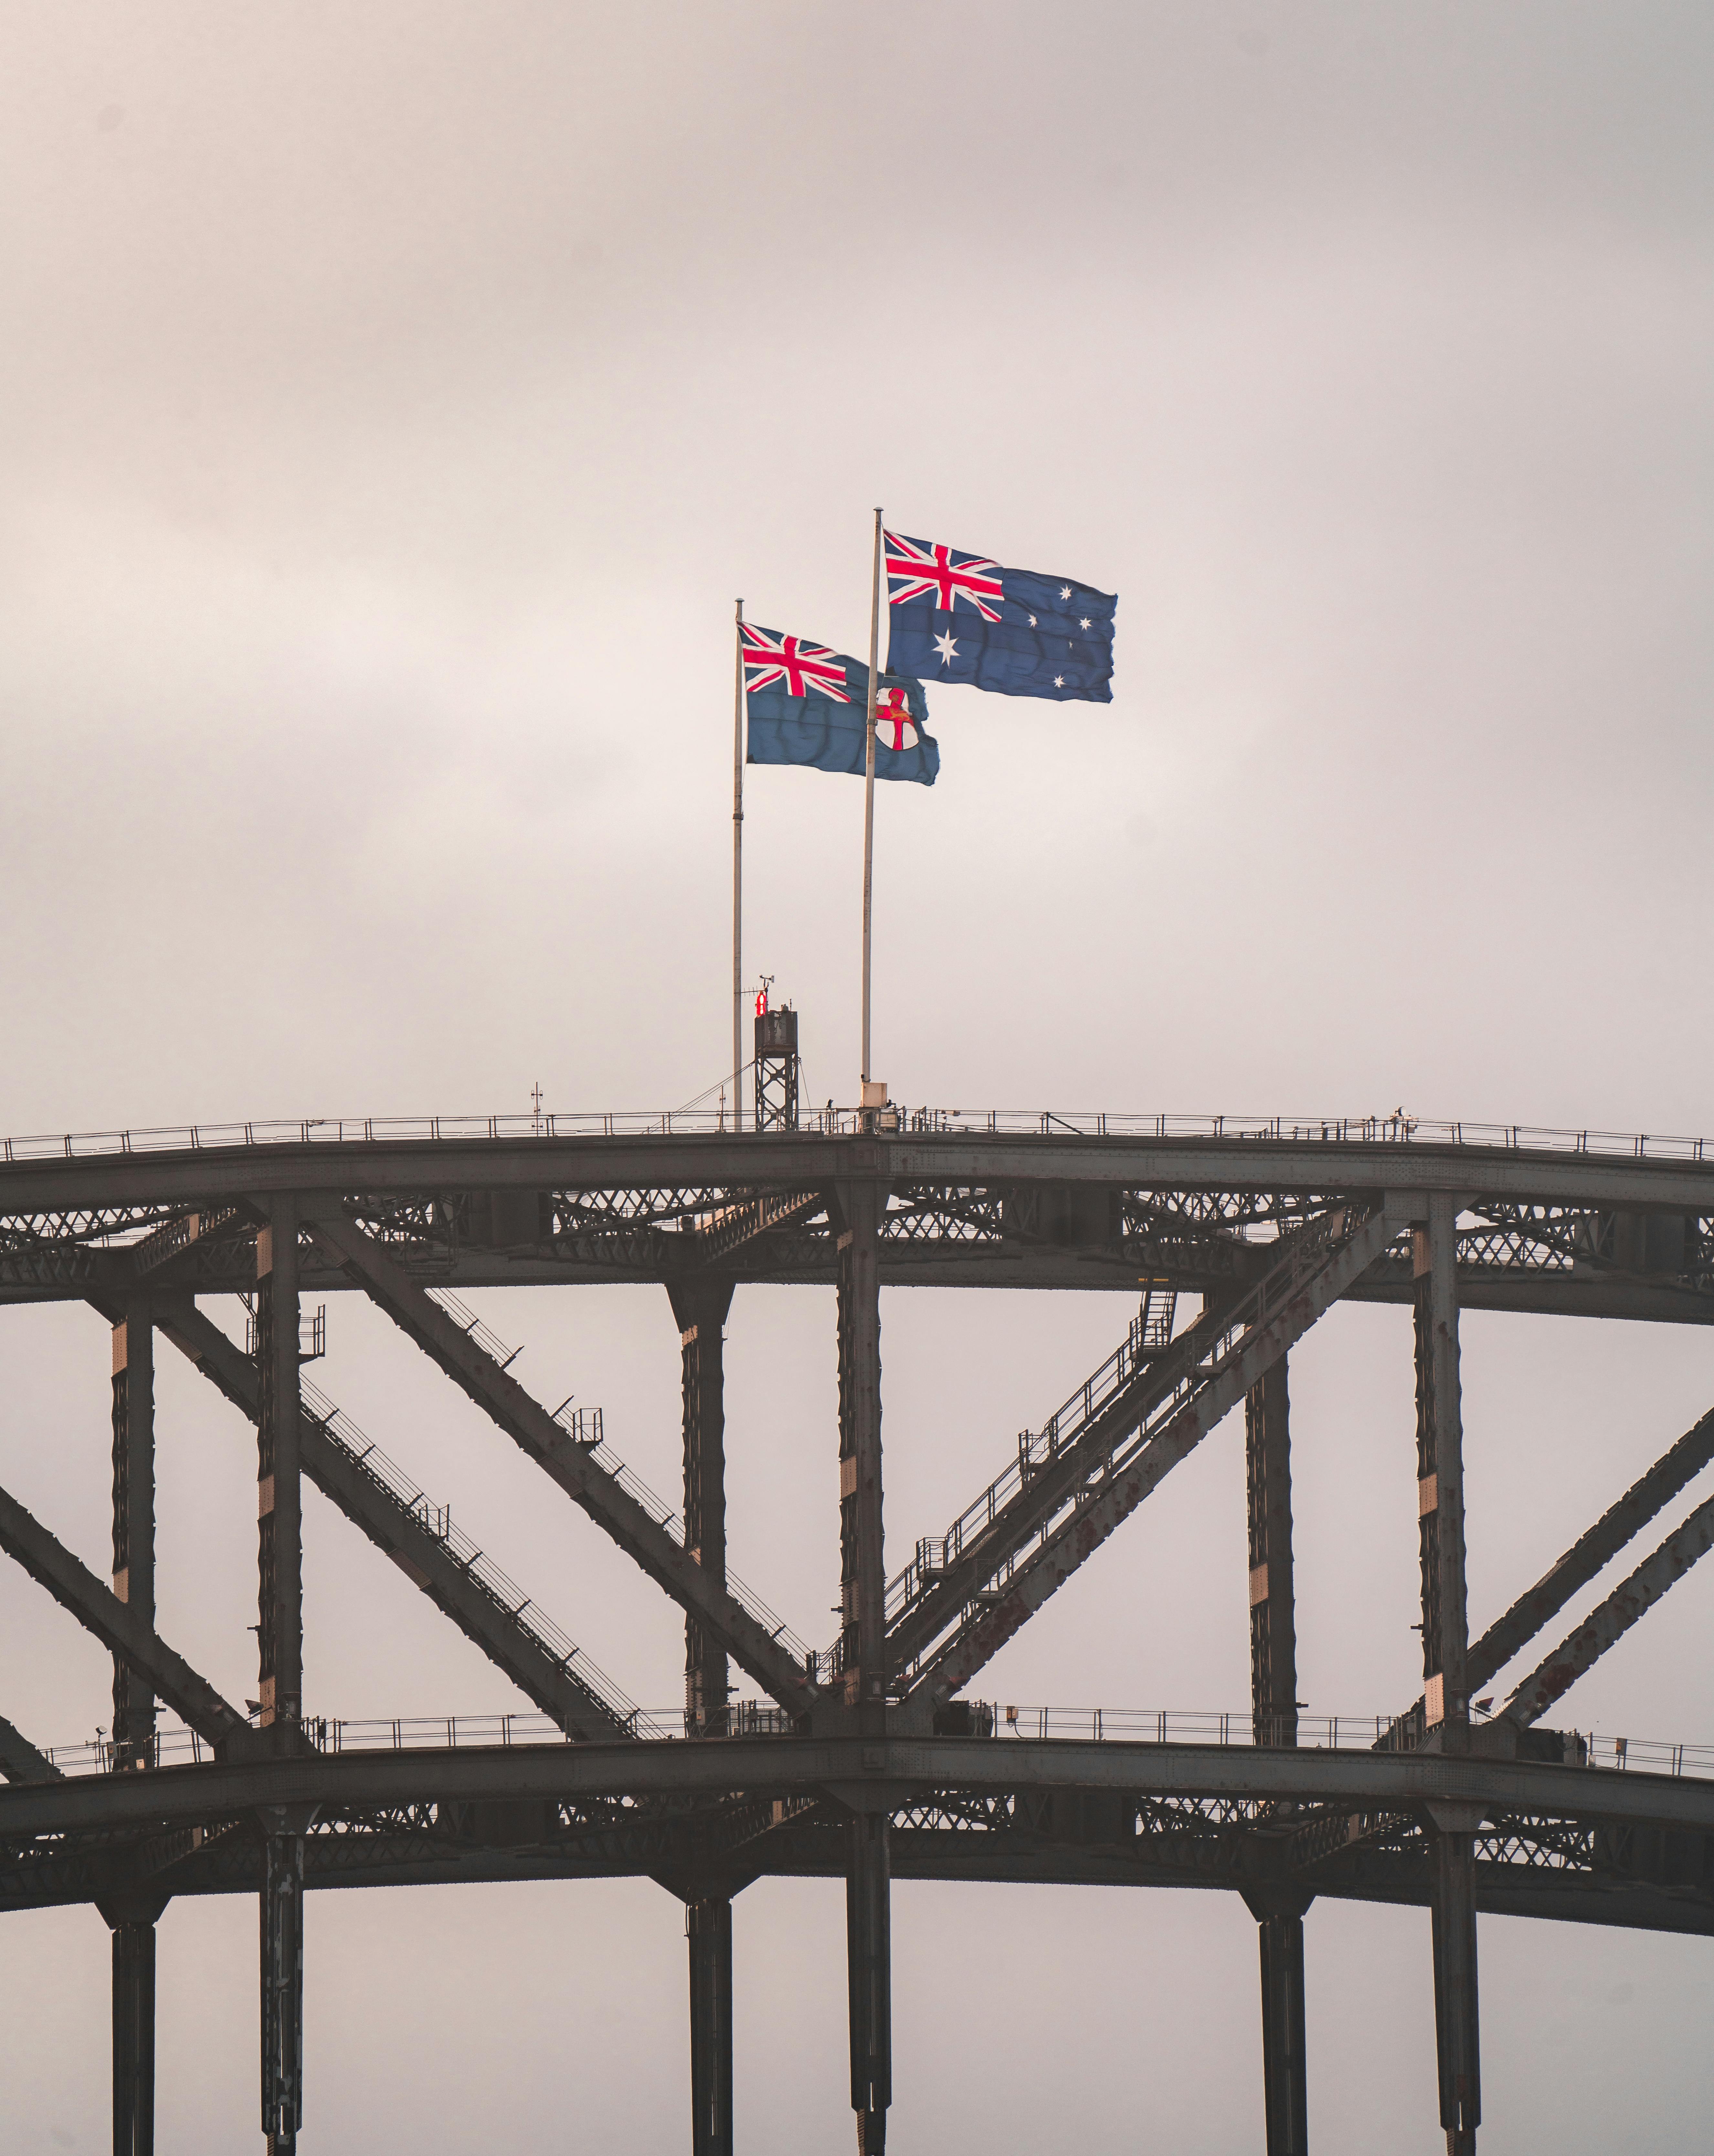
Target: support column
[(133, 1929), (1279, 1916), (709, 1930), (279, 1495), (862, 1561), (282, 1940), (1272, 1615), (1272, 1696), (1445, 1680), (134, 1520), (863, 1653), (869, 1968), (701, 1308)]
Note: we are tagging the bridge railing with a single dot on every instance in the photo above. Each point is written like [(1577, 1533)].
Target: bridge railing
[(1396, 1129), (1004, 1723)]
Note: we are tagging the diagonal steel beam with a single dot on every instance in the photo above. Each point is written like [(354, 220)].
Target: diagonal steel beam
[(424, 1557), (1114, 1402), (726, 1230), (98, 1610), (1508, 1635), (19, 1759), (1260, 1330), (1614, 1618), (1646, 1497), (643, 1538)]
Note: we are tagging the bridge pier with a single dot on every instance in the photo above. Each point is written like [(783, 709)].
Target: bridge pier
[(132, 1921), (1279, 1916), (282, 1940), (1445, 1674), (870, 1975), (708, 1927), (1457, 2031)]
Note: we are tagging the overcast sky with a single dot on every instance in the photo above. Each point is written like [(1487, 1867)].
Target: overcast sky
[(393, 400)]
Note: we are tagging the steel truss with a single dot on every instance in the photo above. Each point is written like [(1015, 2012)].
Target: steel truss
[(863, 1763)]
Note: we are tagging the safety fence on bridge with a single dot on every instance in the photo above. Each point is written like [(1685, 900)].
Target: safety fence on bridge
[(986, 1720), (1399, 1129)]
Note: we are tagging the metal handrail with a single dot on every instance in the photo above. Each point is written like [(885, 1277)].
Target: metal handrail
[(1394, 1130), (1198, 1727), (590, 1435), (499, 1588), (1064, 1428)]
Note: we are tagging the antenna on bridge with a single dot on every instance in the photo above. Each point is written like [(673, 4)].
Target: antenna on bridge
[(776, 1066), (535, 1104)]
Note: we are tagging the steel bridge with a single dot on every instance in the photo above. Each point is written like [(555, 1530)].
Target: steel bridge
[(866, 1757)]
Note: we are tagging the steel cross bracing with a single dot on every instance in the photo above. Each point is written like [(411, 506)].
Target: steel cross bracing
[(859, 1771)]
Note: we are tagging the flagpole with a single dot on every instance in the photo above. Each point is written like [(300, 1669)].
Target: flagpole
[(869, 784), (738, 866)]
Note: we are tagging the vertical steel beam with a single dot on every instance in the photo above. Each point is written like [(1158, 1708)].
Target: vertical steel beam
[(708, 1929), (282, 1940), (134, 1520), (133, 2033), (1273, 1618), (1278, 1915), (1439, 1467), (869, 1965), (1457, 2026), (701, 1308), (278, 1490), (1273, 1697), (1439, 1441), (134, 1715), (862, 1561), (863, 1653)]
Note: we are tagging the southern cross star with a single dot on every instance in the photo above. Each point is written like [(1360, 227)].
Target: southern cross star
[(1065, 591), (1031, 621), (947, 647), (1084, 623), (1059, 681)]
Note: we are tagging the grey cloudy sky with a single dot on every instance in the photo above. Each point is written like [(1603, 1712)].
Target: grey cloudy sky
[(392, 401)]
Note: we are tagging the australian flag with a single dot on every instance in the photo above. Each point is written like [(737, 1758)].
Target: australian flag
[(808, 705), (958, 617)]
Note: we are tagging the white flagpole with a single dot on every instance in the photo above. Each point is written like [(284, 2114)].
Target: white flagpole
[(738, 867), (868, 785)]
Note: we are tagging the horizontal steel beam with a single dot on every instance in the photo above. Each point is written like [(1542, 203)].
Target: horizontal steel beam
[(805, 1160), (101, 1612), (364, 1857), (525, 1420), (848, 1766)]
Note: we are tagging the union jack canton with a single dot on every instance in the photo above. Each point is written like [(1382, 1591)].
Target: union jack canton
[(797, 665)]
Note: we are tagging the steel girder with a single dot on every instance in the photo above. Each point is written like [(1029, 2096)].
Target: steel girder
[(425, 1557), (786, 1768), (1613, 1617), (1250, 1338), (1526, 1863), (119, 1629), (643, 1539)]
